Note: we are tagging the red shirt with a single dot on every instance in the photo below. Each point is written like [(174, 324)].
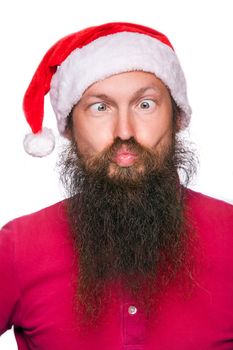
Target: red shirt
[(36, 267)]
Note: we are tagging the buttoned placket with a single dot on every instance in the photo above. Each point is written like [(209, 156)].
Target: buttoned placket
[(133, 325)]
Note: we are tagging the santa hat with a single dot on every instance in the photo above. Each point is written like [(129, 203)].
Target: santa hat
[(90, 55)]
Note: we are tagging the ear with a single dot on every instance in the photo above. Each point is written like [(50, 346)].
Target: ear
[(178, 125), (69, 126), (68, 134)]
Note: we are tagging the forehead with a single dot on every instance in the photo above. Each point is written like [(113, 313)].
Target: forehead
[(126, 83)]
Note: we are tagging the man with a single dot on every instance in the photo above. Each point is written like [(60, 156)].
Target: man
[(132, 259)]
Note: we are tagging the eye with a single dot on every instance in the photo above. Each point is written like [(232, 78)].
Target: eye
[(99, 107), (146, 104)]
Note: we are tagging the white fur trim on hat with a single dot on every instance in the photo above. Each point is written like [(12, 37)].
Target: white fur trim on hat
[(40, 144), (114, 54)]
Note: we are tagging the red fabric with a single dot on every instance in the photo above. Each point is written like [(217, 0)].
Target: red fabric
[(33, 103), (36, 269)]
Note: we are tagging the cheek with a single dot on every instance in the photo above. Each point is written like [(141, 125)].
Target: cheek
[(155, 132), (91, 138)]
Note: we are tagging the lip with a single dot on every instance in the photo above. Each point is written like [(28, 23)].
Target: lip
[(125, 158)]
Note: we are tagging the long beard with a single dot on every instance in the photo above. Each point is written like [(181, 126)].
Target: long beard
[(128, 224)]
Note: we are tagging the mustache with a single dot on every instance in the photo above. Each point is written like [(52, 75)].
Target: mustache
[(145, 154), (131, 144)]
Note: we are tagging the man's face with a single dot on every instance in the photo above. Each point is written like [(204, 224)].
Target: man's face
[(132, 104)]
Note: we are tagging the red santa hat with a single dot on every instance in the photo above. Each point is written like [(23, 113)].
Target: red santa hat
[(90, 55)]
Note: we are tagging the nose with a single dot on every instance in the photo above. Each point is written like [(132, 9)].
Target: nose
[(124, 126)]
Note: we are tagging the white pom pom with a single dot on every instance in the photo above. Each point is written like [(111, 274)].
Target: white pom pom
[(40, 144)]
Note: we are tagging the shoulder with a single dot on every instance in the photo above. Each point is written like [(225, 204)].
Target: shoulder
[(208, 203), (211, 212), (49, 215), (45, 224), (37, 242)]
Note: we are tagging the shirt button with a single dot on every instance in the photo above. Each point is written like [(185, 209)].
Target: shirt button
[(132, 310)]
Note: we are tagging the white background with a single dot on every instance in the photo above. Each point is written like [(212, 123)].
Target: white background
[(201, 32)]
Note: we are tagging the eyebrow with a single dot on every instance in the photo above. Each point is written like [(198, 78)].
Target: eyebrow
[(135, 95)]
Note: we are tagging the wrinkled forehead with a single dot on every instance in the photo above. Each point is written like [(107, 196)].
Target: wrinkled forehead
[(126, 84)]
